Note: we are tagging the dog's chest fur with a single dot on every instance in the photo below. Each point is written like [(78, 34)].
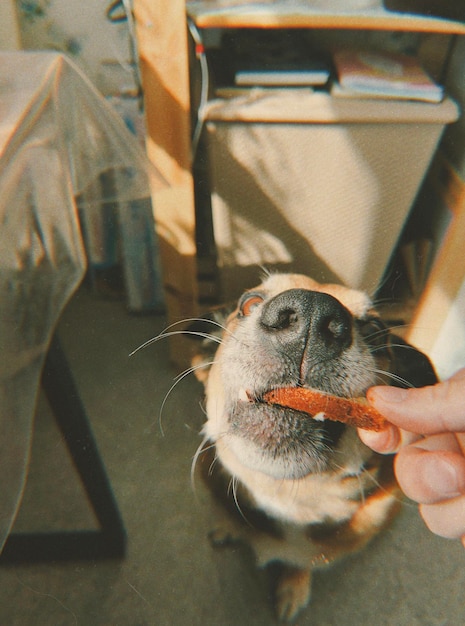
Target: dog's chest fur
[(306, 524), (331, 496)]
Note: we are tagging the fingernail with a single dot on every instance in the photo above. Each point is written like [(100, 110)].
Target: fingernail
[(442, 478), (389, 394), (386, 442)]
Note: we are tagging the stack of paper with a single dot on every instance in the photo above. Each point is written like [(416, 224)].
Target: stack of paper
[(278, 74)]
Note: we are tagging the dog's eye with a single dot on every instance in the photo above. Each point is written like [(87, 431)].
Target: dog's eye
[(249, 302)]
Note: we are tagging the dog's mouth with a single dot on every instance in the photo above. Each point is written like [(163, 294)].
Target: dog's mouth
[(279, 440), (269, 399), (271, 404)]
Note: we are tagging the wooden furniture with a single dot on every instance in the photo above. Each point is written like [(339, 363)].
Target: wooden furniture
[(224, 14), (163, 52), (162, 41)]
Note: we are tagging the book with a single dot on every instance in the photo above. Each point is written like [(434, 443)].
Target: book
[(382, 74), (295, 74)]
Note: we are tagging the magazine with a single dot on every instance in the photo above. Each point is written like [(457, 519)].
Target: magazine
[(380, 74)]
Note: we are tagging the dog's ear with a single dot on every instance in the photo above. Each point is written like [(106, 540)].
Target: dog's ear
[(409, 364), (208, 331), (405, 366)]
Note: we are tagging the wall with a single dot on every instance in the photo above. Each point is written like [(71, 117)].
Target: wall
[(100, 43), (438, 326), (9, 33), (454, 139)]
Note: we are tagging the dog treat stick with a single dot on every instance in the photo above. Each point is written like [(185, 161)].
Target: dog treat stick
[(354, 411)]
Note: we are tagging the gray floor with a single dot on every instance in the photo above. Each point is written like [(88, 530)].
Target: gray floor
[(171, 575)]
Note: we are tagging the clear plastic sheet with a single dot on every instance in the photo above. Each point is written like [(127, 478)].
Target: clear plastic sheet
[(57, 137)]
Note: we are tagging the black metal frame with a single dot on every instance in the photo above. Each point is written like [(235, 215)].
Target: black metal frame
[(109, 541)]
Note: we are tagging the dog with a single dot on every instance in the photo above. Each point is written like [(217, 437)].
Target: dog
[(302, 493)]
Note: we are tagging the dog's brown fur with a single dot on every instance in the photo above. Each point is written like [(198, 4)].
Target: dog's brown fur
[(298, 491)]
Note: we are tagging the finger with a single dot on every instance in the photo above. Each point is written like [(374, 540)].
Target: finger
[(387, 441), (430, 477), (460, 438), (442, 441), (446, 519), (433, 409)]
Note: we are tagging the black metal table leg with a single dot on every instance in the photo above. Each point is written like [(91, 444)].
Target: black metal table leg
[(109, 541)]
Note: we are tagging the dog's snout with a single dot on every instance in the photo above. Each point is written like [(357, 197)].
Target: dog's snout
[(300, 314)]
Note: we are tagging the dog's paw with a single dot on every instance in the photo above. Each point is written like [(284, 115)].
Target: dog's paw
[(292, 593)]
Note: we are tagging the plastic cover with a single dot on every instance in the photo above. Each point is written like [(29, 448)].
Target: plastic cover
[(57, 137)]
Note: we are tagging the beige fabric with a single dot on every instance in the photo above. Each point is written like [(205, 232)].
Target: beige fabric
[(326, 198)]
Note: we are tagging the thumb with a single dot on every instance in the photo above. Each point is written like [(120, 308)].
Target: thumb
[(434, 409)]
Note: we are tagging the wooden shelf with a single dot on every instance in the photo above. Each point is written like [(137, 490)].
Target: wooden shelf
[(230, 14)]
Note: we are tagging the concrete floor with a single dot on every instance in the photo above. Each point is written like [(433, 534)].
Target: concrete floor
[(171, 575)]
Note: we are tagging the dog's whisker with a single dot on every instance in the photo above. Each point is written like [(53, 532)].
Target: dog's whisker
[(388, 330), (385, 331), (203, 408), (192, 369), (399, 327), (294, 491), (363, 472), (265, 272), (377, 333), (361, 488), (233, 485), (177, 380), (376, 302), (392, 345), (392, 376), (403, 346), (379, 379), (200, 450), (212, 465), (358, 476), (380, 486), (164, 333), (190, 320), (172, 333), (202, 320)]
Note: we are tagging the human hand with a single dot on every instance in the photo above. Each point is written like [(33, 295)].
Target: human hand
[(428, 433)]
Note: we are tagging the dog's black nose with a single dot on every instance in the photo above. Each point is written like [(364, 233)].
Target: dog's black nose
[(299, 318)]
